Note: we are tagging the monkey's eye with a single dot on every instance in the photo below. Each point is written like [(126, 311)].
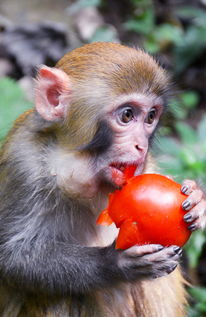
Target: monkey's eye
[(126, 115), (151, 116)]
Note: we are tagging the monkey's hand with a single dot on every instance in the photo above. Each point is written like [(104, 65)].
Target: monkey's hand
[(148, 261), (195, 204)]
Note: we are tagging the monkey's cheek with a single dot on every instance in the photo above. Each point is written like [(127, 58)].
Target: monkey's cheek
[(79, 189)]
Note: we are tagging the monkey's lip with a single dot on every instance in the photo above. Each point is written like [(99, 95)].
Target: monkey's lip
[(121, 171), (119, 166)]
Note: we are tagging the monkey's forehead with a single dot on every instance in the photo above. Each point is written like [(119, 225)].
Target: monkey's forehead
[(124, 69)]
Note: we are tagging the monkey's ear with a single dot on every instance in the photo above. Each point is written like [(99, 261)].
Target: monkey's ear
[(53, 91)]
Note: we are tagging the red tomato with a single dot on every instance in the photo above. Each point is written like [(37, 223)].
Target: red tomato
[(147, 210)]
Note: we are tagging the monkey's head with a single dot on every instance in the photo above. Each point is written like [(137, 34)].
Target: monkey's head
[(106, 100)]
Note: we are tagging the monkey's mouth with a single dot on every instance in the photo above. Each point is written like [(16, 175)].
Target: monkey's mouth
[(119, 166), (121, 172)]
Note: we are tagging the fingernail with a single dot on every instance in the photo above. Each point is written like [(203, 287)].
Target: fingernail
[(184, 189), (160, 247), (188, 217), (180, 252), (186, 204), (192, 227), (172, 268), (177, 249)]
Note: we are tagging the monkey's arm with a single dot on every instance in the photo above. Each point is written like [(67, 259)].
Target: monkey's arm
[(59, 269), (38, 254)]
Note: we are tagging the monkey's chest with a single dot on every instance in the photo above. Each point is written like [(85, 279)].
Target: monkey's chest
[(145, 299), (74, 306), (105, 236), (116, 303)]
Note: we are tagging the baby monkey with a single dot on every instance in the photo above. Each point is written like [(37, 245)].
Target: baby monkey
[(95, 114)]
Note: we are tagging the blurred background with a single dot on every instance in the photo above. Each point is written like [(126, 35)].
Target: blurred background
[(35, 32)]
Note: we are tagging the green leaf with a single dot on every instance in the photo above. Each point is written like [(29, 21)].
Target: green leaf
[(186, 133), (143, 23), (180, 106), (177, 110), (162, 36), (168, 32), (168, 145), (201, 129), (81, 4), (193, 41), (142, 3), (192, 312), (187, 156), (197, 15), (164, 131), (190, 99), (12, 104), (194, 247), (104, 34), (151, 46), (199, 293), (170, 166), (201, 306)]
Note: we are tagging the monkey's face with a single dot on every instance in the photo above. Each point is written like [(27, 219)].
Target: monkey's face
[(132, 122), (104, 102)]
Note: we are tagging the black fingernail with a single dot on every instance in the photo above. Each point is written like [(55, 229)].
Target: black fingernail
[(188, 217), (192, 227), (186, 204), (172, 268), (180, 252), (184, 189), (177, 250)]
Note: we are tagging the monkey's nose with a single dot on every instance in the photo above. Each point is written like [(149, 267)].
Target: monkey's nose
[(139, 148)]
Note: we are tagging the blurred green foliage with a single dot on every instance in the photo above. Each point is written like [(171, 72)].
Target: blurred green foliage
[(12, 104), (181, 107), (185, 44), (185, 157), (105, 33), (81, 4), (199, 295)]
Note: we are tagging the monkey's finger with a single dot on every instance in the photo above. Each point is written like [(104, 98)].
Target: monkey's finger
[(199, 223), (173, 252), (193, 199), (188, 186), (142, 250), (198, 211)]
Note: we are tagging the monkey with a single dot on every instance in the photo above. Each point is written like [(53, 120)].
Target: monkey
[(95, 114)]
